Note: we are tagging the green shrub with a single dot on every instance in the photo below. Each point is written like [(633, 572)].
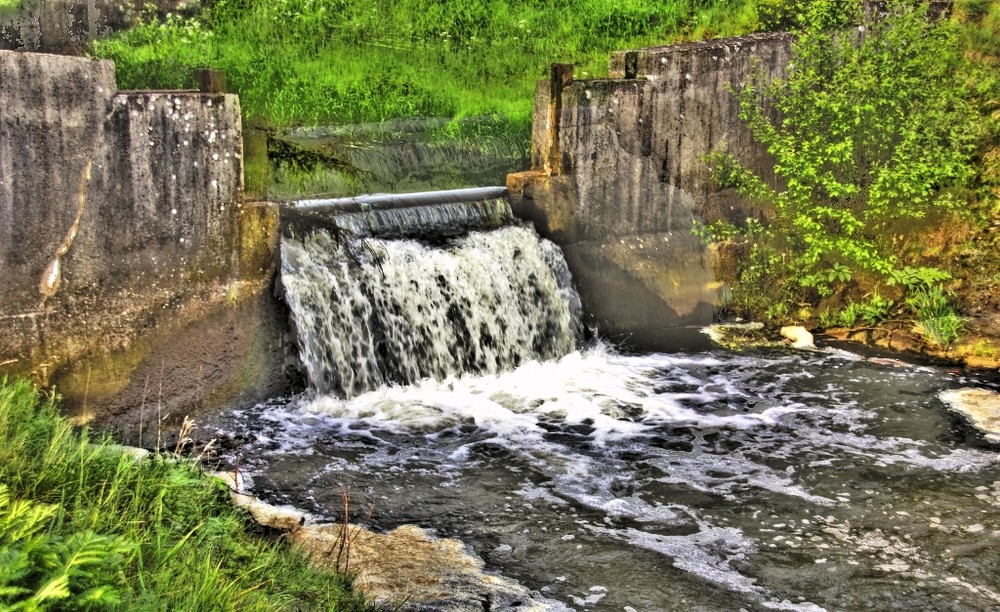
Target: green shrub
[(869, 130), (779, 15), (39, 569)]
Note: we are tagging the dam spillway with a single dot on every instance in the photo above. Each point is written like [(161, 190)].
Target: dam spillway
[(398, 294)]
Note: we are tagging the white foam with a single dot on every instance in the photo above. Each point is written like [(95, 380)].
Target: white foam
[(710, 553), (627, 436)]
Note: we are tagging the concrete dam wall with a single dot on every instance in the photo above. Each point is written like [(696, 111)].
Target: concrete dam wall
[(65, 26), (135, 275), (127, 256), (618, 177)]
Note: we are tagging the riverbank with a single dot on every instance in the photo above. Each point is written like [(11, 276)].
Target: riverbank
[(84, 524), (975, 351)]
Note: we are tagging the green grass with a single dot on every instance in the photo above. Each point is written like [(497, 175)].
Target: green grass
[(936, 316), (298, 62), (82, 525)]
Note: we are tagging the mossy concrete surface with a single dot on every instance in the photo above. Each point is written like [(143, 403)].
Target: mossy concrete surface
[(619, 178)]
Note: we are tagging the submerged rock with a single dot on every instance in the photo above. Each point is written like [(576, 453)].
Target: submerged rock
[(410, 568), (981, 406), (737, 335), (284, 518), (404, 569)]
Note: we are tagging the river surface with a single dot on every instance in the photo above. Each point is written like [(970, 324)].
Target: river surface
[(699, 481)]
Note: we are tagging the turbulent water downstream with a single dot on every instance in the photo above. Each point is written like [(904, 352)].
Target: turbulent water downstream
[(609, 481)]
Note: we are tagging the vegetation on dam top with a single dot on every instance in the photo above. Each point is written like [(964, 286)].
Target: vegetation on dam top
[(297, 62)]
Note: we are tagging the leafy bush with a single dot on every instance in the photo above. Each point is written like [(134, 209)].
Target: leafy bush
[(872, 312), (39, 569), (936, 317), (869, 129), (918, 278), (779, 15)]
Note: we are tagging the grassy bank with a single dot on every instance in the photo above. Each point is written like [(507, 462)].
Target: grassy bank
[(84, 526), (350, 61)]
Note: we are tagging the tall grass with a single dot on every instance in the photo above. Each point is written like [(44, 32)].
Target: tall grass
[(347, 61), (100, 529)]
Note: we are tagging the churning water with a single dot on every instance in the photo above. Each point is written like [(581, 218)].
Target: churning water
[(609, 481)]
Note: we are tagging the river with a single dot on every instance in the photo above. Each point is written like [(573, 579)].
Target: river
[(606, 480)]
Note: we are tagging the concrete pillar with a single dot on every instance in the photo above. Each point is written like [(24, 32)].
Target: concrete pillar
[(561, 76), (211, 81)]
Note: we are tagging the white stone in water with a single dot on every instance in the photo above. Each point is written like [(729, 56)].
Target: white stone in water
[(798, 336), (981, 406)]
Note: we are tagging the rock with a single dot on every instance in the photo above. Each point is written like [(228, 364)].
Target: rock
[(981, 406), (737, 335), (798, 336), (406, 569), (410, 568), (139, 454), (284, 518), (837, 333)]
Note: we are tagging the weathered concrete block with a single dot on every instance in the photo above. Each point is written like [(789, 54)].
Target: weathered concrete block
[(632, 165), (175, 167), (52, 112), (128, 257)]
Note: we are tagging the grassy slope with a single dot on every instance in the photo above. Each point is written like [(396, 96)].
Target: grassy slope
[(131, 535), (344, 61)]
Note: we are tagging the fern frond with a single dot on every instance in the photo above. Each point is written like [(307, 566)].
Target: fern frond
[(55, 589)]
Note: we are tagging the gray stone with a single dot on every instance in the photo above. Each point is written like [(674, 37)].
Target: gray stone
[(135, 279), (410, 568)]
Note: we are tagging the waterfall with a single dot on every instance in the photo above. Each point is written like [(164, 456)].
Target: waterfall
[(371, 311)]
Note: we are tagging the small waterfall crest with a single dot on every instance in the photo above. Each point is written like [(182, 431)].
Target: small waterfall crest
[(371, 311)]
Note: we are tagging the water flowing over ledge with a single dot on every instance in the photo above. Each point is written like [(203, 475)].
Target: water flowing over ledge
[(439, 220), (371, 311)]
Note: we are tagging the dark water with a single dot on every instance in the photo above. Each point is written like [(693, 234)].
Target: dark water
[(711, 481)]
